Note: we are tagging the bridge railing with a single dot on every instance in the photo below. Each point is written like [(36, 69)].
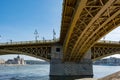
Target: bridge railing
[(30, 42), (51, 41), (108, 41)]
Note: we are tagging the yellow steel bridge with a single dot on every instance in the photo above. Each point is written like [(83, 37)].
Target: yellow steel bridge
[(83, 24)]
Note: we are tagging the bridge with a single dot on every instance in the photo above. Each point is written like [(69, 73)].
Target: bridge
[(83, 24), (43, 49)]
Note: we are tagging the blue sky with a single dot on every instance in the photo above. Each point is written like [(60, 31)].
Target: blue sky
[(20, 18)]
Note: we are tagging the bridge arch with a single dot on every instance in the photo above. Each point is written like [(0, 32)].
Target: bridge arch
[(99, 52), (41, 52), (7, 52)]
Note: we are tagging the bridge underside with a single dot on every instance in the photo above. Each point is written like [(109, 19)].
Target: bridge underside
[(84, 22)]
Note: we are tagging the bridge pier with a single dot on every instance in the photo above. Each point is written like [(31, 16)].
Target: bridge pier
[(69, 70)]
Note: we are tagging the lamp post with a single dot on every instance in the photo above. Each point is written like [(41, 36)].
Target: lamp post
[(0, 37), (54, 33), (10, 41), (104, 38), (43, 39), (36, 35)]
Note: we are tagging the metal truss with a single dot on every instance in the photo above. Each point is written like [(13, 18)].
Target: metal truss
[(41, 51), (89, 20), (101, 50)]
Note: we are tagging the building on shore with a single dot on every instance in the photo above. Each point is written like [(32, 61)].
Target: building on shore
[(2, 61), (34, 62), (16, 60), (108, 61)]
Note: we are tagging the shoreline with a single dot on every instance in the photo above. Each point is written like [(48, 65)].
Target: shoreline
[(13, 64), (114, 76)]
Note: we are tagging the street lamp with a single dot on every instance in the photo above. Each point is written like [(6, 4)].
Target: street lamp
[(0, 36), (54, 33), (10, 41), (36, 34), (104, 38), (43, 39)]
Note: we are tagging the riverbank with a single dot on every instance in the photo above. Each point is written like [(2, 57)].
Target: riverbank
[(114, 76), (87, 79), (12, 64)]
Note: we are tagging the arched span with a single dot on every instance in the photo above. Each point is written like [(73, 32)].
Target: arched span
[(102, 50), (106, 55), (41, 52)]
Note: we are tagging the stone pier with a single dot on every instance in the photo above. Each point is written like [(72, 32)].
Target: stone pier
[(69, 70)]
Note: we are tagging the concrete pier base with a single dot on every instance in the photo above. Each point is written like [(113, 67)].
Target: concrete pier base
[(70, 70)]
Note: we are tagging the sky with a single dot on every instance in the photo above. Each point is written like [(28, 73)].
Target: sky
[(20, 18)]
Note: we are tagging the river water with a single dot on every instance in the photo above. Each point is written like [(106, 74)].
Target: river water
[(41, 72)]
